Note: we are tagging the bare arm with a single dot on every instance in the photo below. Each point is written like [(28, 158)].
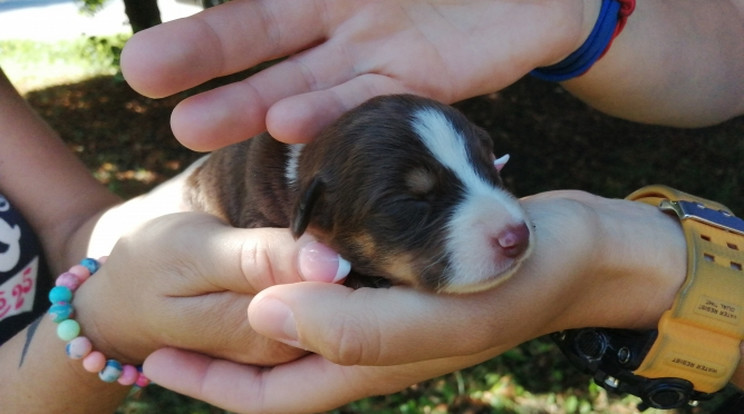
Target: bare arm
[(57, 194), (44, 179), (677, 62), (181, 280)]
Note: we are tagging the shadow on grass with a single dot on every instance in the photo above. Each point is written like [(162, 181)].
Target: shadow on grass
[(558, 142), (555, 141), (121, 136)]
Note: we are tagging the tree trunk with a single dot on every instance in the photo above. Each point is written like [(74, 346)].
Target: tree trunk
[(142, 14)]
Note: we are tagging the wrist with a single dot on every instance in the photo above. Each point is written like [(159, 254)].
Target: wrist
[(683, 307), (103, 325), (64, 311), (628, 260), (647, 259), (575, 31), (610, 21)]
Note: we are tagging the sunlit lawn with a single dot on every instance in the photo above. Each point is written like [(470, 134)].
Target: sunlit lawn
[(34, 65)]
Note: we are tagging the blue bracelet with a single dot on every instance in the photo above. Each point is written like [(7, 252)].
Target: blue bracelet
[(578, 62)]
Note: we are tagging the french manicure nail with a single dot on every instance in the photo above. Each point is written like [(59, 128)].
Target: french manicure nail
[(318, 262)]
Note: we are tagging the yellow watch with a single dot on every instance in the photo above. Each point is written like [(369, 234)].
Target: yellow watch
[(699, 336)]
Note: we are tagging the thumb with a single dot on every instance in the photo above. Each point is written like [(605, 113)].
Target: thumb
[(209, 255), (378, 326)]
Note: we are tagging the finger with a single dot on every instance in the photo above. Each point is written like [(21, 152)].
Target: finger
[(225, 39), (211, 256), (300, 118), (319, 85), (390, 326), (237, 111), (316, 384), (241, 388)]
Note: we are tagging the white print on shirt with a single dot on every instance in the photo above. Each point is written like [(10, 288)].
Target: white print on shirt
[(17, 293), (10, 245)]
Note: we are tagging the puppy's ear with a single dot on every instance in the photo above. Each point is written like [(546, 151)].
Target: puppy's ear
[(305, 204)]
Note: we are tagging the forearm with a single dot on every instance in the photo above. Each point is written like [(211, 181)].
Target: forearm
[(592, 248), (678, 63), (637, 250), (39, 378), (44, 180)]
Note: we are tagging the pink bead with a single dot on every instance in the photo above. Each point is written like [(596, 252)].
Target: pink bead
[(69, 280), (142, 381), (129, 375), (79, 347), (80, 271), (94, 362), (102, 259)]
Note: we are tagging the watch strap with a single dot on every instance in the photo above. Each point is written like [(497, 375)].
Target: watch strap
[(699, 336)]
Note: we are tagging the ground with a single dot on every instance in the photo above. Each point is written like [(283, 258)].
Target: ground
[(555, 142)]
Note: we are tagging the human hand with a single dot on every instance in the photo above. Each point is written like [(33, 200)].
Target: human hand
[(184, 280), (373, 341), (340, 54)]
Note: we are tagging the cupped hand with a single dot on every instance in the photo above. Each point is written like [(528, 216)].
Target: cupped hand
[(185, 280), (596, 262), (339, 54)]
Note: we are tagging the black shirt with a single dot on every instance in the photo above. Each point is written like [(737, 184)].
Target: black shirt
[(24, 277)]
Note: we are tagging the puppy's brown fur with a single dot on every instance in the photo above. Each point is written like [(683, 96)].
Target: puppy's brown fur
[(367, 187)]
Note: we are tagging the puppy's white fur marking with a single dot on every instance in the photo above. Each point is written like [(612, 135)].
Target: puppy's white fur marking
[(444, 142), (479, 218), (447, 145), (290, 170)]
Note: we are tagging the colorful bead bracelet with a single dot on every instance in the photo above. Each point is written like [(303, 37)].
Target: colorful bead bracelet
[(68, 329)]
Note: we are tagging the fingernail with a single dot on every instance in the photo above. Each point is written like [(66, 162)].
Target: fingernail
[(277, 321), (318, 262)]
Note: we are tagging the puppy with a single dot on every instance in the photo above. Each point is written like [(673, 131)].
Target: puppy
[(405, 188)]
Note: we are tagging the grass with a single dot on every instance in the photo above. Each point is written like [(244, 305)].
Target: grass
[(555, 142), (35, 65)]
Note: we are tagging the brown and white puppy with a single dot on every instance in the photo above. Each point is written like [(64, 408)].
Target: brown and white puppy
[(405, 188)]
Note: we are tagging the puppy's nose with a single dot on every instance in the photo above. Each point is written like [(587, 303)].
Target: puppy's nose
[(514, 240)]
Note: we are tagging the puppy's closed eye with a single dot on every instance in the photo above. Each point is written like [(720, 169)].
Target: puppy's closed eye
[(420, 181)]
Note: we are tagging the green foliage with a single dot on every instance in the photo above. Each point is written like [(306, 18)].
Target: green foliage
[(91, 6), (106, 50)]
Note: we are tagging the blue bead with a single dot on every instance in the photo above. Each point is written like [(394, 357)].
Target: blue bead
[(60, 294), (111, 372), (60, 311), (91, 264)]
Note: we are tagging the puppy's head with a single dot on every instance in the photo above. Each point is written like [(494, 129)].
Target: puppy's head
[(406, 189)]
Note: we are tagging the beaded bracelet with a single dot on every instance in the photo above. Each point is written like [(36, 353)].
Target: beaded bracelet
[(612, 18), (80, 347)]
